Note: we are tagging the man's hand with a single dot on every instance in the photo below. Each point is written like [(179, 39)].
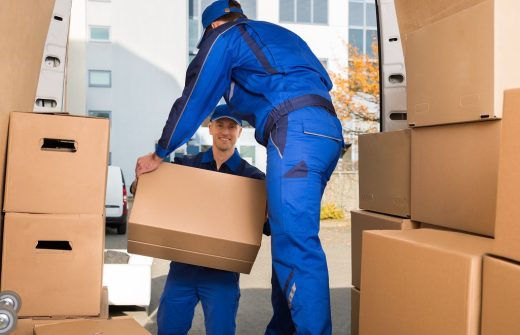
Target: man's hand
[(147, 164)]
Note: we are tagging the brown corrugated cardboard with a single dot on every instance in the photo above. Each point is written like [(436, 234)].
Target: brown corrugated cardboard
[(24, 25), (508, 199), (56, 164), (354, 311), (199, 217), (413, 14), (114, 326), (421, 281), (454, 76), (384, 172), (54, 262), (363, 220), (500, 297), (454, 175)]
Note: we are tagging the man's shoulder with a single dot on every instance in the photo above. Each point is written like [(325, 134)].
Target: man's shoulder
[(188, 160), (251, 171)]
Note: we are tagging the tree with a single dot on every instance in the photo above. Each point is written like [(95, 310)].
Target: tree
[(356, 93)]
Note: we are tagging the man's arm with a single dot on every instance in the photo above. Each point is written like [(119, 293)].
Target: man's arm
[(207, 79)]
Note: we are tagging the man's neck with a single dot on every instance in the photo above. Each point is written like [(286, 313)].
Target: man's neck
[(221, 157)]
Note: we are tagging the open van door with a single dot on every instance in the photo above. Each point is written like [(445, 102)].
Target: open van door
[(392, 67)]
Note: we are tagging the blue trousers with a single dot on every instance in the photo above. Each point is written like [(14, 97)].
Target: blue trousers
[(302, 153), (186, 285)]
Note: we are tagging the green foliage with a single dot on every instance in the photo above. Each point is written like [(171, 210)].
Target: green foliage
[(331, 212)]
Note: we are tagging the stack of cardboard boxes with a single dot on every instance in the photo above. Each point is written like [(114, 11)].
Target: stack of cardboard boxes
[(458, 274), (52, 221), (54, 203)]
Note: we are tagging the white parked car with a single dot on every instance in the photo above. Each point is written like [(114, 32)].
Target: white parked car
[(116, 207)]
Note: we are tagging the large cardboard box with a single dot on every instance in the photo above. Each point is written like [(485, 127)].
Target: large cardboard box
[(384, 172), (454, 175), (24, 25), (54, 262), (56, 164), (508, 193), (198, 217), (354, 311), (114, 326), (500, 297), (459, 66), (362, 221), (413, 14), (26, 326), (421, 281)]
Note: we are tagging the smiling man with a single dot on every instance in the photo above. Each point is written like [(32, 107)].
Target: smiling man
[(186, 285)]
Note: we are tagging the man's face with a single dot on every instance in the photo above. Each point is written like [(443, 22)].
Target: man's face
[(225, 133)]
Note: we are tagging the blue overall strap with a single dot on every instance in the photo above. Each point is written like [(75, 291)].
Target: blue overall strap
[(288, 106)]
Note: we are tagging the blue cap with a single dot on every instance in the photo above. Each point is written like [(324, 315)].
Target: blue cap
[(217, 9), (223, 111)]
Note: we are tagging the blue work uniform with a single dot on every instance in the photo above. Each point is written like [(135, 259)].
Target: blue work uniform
[(270, 78), (186, 284)]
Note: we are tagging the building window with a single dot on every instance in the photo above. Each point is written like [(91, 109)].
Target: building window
[(304, 11), (101, 114), (195, 9), (248, 152), (324, 62), (99, 78), (363, 26), (99, 34)]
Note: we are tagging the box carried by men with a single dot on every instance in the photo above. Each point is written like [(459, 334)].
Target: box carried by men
[(198, 217)]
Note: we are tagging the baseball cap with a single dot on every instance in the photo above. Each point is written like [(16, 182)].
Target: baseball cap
[(223, 111), (217, 9)]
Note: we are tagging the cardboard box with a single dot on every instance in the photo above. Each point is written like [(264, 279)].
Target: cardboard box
[(56, 164), (384, 172), (26, 326), (508, 193), (114, 326), (412, 14), (454, 175), (500, 297), (129, 284), (27, 23), (362, 221), (354, 311), (421, 281), (54, 262), (199, 217), (453, 76)]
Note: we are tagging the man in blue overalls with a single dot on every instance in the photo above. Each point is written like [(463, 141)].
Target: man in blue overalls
[(186, 285), (270, 78)]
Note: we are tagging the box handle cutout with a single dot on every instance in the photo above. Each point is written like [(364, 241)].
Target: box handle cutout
[(58, 18), (54, 245), (396, 78), (393, 39), (56, 144), (51, 61), (398, 116), (46, 103)]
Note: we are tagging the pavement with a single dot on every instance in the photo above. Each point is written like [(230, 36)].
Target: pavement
[(255, 311)]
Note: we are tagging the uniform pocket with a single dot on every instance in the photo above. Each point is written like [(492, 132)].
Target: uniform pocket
[(326, 128)]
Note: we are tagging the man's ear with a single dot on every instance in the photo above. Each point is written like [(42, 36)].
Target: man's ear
[(210, 126), (239, 131)]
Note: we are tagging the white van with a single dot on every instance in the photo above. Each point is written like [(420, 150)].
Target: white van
[(116, 207)]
